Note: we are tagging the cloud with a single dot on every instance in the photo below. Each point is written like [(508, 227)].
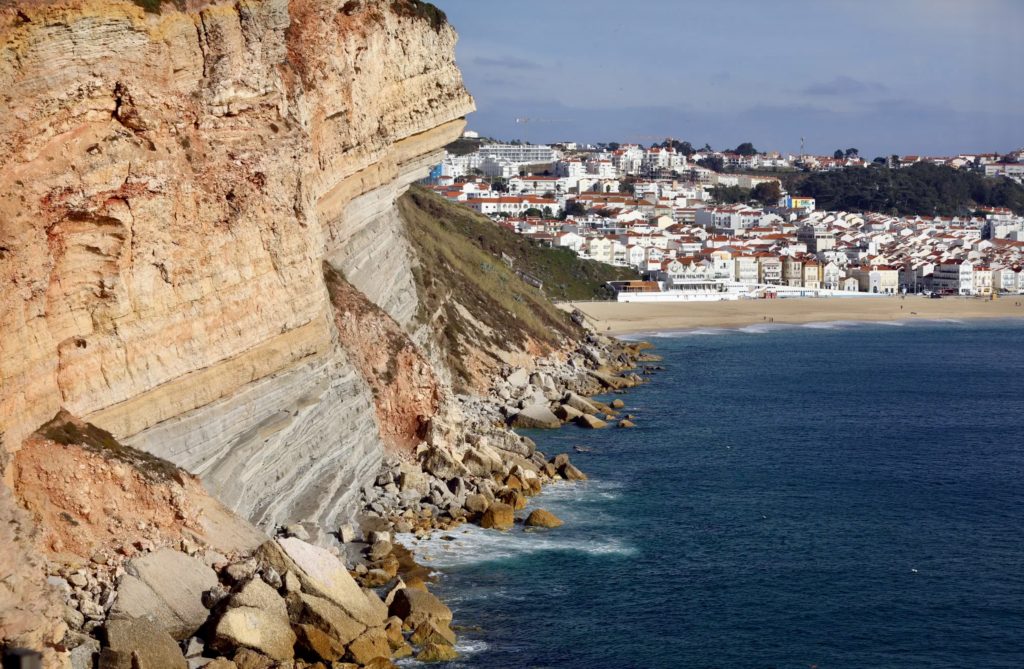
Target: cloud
[(843, 85), (508, 62)]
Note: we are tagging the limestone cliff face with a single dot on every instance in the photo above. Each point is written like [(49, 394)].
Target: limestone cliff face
[(170, 185)]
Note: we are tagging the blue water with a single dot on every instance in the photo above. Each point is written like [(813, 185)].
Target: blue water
[(843, 495)]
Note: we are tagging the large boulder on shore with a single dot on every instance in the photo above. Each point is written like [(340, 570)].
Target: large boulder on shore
[(519, 378), (591, 422), (580, 403), (326, 617), (437, 652), (567, 413), (323, 575), (498, 516), (166, 587), (151, 646), (536, 416), (542, 518), (570, 473), (416, 607), (261, 630), (442, 464)]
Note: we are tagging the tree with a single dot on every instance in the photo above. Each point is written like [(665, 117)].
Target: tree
[(499, 185), (574, 208), (613, 146), (533, 212), (715, 163), (767, 192), (625, 187), (852, 153), (879, 160), (746, 149), (730, 194), (838, 154)]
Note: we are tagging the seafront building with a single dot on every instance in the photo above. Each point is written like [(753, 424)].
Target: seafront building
[(653, 210)]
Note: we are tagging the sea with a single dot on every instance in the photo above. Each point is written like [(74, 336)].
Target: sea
[(831, 495)]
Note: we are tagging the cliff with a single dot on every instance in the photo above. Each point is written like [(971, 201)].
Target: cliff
[(172, 182)]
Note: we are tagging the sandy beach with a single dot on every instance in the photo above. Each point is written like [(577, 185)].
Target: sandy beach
[(631, 317)]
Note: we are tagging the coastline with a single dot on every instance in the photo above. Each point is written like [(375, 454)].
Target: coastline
[(630, 318)]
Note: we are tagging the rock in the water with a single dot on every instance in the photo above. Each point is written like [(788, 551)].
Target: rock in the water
[(570, 473), (567, 413), (167, 587), (432, 632), (542, 518), (322, 574), (436, 652), (416, 607), (263, 631), (591, 422), (580, 403), (476, 503), (536, 416), (498, 516), (625, 422), (617, 403), (151, 646)]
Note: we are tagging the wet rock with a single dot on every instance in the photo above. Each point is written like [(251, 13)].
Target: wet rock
[(591, 422), (580, 403), (435, 652), (570, 473), (416, 607), (543, 518), (476, 503), (567, 413), (499, 516), (432, 632), (625, 422)]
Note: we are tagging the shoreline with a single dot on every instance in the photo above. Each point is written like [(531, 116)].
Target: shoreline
[(631, 318)]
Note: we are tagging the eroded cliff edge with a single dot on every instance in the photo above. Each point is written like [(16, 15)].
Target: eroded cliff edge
[(171, 184)]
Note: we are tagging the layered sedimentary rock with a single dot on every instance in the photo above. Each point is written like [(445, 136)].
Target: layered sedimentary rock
[(170, 184)]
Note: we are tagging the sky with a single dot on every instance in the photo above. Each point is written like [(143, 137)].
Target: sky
[(925, 77)]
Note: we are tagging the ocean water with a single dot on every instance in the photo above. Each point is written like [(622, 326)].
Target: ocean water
[(831, 495)]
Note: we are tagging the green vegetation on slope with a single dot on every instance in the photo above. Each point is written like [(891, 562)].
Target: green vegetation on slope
[(922, 189), (476, 303), (565, 275)]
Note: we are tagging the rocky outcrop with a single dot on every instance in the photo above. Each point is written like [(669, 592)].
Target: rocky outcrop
[(167, 215)]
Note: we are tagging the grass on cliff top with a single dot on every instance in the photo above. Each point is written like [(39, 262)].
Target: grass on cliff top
[(470, 295), (565, 275), (65, 429)]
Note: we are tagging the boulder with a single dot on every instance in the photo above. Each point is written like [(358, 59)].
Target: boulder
[(379, 550), (542, 518), (322, 574), (137, 643), (327, 617), (591, 422), (314, 641), (247, 658), (479, 463), (580, 403), (617, 403), (432, 632), (371, 644), (260, 630), (625, 422), (441, 464), (258, 595), (567, 413), (476, 503), (536, 416), (499, 516), (166, 587), (570, 473), (416, 607), (437, 652), (519, 378)]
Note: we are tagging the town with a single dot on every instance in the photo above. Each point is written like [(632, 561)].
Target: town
[(660, 211)]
